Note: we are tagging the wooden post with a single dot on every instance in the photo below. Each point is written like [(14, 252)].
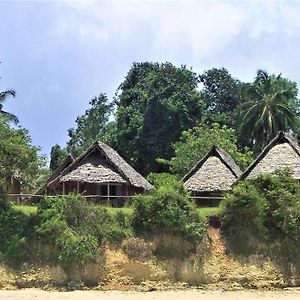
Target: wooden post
[(77, 187), (64, 188), (108, 193), (126, 202)]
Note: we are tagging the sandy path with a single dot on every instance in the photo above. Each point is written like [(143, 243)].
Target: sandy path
[(27, 294)]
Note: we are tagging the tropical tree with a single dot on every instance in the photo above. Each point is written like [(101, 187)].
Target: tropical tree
[(19, 156), (222, 94), (91, 126), (57, 155), (196, 142), (271, 106), (155, 103), (4, 115)]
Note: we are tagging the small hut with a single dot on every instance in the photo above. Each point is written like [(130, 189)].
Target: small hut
[(282, 152), (213, 175), (99, 172)]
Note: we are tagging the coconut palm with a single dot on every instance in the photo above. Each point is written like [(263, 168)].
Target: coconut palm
[(268, 109), (4, 115)]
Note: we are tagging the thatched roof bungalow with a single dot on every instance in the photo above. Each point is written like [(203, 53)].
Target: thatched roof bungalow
[(99, 171), (213, 175), (282, 152)]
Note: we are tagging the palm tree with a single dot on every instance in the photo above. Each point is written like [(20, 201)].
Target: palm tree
[(4, 115), (268, 109)]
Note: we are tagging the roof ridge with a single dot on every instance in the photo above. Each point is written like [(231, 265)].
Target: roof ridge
[(280, 136), (223, 155)]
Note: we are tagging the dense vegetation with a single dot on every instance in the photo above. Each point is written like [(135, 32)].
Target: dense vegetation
[(77, 231), (162, 121), (168, 210), (263, 215)]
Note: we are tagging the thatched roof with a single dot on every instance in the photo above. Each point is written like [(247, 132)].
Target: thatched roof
[(93, 169), (215, 172), (66, 162), (282, 152), (101, 164)]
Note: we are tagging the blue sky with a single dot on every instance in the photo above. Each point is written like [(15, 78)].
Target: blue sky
[(58, 55)]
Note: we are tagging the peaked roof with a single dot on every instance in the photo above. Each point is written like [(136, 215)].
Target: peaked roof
[(90, 167), (282, 152), (216, 171)]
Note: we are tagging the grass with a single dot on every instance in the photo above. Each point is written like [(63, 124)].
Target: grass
[(26, 209), (208, 211), (126, 210), (203, 211), (29, 209)]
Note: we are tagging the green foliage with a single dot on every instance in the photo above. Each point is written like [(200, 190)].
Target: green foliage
[(243, 217), (206, 212), (77, 249), (155, 103), (266, 209), (4, 115), (77, 229), (122, 219), (57, 156), (222, 95), (168, 209), (160, 179), (271, 105), (196, 142), (91, 126), (26, 209), (18, 156), (13, 232)]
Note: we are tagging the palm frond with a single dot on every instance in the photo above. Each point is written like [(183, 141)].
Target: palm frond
[(8, 117)]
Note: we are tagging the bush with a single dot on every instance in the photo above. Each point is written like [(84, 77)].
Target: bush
[(77, 229), (122, 219), (168, 209), (243, 213), (162, 179), (13, 233), (265, 209), (77, 249)]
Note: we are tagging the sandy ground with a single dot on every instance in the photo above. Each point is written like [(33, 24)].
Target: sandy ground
[(27, 294)]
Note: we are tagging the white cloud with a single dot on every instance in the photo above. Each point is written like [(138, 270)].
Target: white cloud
[(170, 28)]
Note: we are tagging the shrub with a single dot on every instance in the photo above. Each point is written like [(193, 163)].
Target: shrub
[(168, 209), (13, 233), (243, 213), (161, 179), (76, 228), (123, 220), (265, 209), (77, 249)]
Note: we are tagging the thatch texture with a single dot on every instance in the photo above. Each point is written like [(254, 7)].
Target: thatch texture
[(128, 172), (101, 164), (93, 169), (216, 172), (281, 152)]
